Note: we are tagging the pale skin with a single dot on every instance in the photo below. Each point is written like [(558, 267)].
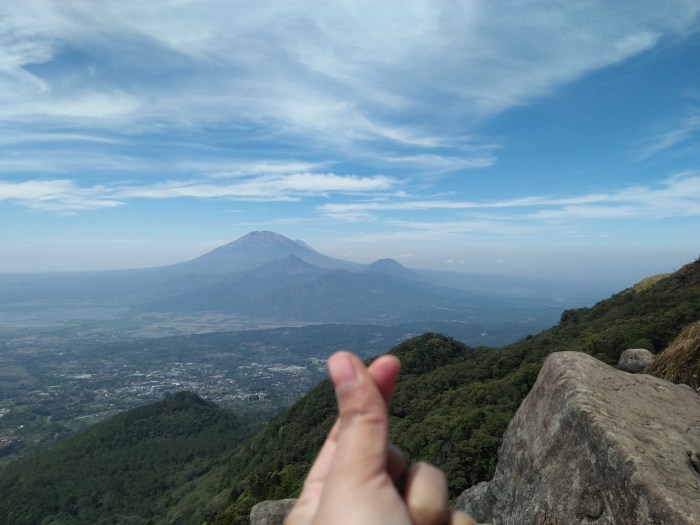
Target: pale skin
[(355, 476)]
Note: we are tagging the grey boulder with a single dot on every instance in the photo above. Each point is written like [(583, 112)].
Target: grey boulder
[(594, 445)]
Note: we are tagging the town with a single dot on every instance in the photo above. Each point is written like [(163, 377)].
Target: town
[(54, 382), (50, 386)]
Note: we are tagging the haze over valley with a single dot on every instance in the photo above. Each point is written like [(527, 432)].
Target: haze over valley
[(247, 325)]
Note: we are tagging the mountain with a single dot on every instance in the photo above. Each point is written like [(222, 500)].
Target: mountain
[(133, 467), (344, 296), (291, 288), (392, 268), (255, 249), (266, 277), (234, 293), (146, 285)]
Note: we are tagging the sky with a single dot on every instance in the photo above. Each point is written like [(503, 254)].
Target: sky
[(537, 138)]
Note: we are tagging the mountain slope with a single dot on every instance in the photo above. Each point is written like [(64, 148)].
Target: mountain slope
[(392, 268), (255, 249), (452, 403), (344, 296), (264, 276), (144, 285), (291, 289), (128, 469), (235, 293)]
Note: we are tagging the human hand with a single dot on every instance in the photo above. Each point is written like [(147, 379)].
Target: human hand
[(354, 478)]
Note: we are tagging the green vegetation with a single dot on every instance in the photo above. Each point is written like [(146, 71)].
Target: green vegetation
[(132, 468), (452, 403)]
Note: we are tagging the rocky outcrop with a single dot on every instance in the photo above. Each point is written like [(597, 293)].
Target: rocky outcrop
[(478, 502), (593, 445), (635, 360), (271, 512)]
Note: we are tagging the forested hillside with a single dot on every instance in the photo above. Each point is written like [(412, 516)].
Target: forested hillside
[(133, 468), (453, 403)]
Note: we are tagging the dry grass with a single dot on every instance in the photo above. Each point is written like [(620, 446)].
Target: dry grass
[(680, 362), (649, 281)]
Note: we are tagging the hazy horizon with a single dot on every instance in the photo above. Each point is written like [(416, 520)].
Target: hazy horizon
[(560, 271), (553, 140)]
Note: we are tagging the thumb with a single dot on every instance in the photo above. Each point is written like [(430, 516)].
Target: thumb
[(363, 431)]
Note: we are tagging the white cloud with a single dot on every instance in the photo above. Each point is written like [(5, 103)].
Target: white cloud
[(57, 195), (286, 187), (681, 132), (678, 196), (450, 229), (365, 208), (339, 72), (227, 169), (442, 163), (67, 195)]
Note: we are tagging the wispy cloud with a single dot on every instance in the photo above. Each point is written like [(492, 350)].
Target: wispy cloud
[(432, 163), (678, 196), (228, 169), (681, 132), (267, 187), (60, 196), (353, 74), (67, 195)]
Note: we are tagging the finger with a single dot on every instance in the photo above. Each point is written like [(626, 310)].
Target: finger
[(385, 371), (426, 495), (396, 465), (361, 451), (460, 518), (313, 484)]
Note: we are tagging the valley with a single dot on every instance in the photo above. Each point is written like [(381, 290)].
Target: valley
[(95, 423), (53, 382), (247, 326)]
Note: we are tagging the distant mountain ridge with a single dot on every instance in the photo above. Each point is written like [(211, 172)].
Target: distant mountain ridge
[(255, 249), (394, 268), (264, 276)]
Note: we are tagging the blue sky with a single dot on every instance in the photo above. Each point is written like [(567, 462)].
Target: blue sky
[(555, 139)]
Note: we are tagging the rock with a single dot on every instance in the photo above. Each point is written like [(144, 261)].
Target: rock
[(593, 445), (475, 502), (272, 512), (635, 360)]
